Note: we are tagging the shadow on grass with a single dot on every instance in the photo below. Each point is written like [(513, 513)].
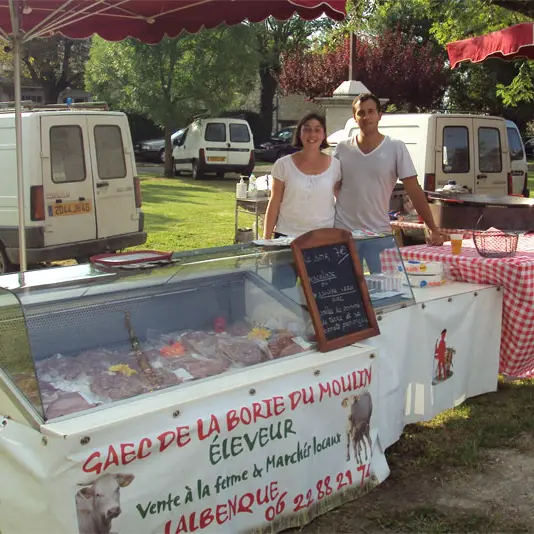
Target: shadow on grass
[(456, 438), (155, 193), (437, 520), (454, 443), (158, 222)]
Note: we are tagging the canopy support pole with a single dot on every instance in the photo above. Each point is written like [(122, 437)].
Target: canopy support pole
[(17, 53)]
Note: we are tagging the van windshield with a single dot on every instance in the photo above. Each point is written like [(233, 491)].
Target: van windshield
[(516, 147)]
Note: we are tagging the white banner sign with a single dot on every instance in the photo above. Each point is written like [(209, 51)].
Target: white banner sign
[(257, 461)]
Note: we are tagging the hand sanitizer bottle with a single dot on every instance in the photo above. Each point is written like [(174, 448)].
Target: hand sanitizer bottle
[(241, 189)]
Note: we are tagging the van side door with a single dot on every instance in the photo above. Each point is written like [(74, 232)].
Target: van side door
[(455, 152), (216, 142), (518, 160), (240, 143), (492, 157), (113, 171), (67, 179)]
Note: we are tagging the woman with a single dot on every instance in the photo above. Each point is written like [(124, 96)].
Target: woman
[(303, 191), (304, 184)]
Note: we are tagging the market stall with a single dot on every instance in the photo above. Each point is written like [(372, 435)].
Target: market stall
[(515, 274), (482, 211), (193, 397), (416, 230)]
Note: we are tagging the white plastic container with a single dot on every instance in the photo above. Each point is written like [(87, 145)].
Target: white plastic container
[(241, 189)]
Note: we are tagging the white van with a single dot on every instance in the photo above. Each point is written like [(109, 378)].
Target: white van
[(214, 146), (82, 194), (472, 150), (518, 158)]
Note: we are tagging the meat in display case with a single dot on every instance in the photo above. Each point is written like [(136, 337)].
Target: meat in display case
[(80, 338)]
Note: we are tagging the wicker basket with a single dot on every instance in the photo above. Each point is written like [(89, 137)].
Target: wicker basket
[(495, 244)]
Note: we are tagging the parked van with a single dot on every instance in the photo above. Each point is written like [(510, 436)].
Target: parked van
[(82, 194), (518, 158), (214, 146), (472, 150)]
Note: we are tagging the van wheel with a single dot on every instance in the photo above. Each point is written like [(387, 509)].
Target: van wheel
[(197, 173), (5, 265)]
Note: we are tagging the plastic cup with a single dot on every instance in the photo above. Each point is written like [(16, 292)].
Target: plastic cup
[(456, 243)]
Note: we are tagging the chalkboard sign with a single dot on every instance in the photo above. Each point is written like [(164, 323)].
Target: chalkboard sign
[(335, 288)]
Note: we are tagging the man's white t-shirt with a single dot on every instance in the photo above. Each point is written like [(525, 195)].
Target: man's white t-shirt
[(368, 181), (308, 201)]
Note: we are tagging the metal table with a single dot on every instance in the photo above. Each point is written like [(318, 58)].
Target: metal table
[(253, 206)]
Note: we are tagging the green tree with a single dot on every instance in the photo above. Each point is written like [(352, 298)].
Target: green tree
[(54, 63), (524, 7), (495, 86), (175, 80), (271, 40)]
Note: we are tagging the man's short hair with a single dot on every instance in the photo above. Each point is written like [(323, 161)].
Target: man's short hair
[(362, 98)]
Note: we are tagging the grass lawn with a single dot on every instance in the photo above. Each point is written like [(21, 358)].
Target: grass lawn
[(183, 214)]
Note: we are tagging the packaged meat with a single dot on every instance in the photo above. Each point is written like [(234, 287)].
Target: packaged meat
[(284, 344), (116, 386), (243, 351), (59, 366), (95, 360), (200, 367), (159, 378), (239, 328), (189, 339), (66, 404), (207, 346)]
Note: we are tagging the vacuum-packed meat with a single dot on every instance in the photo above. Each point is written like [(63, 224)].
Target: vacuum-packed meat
[(242, 351), (199, 367)]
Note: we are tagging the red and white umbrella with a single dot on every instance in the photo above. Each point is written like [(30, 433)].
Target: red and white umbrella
[(146, 20), (515, 42)]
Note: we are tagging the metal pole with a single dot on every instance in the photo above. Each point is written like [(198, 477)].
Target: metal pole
[(17, 45), (352, 57)]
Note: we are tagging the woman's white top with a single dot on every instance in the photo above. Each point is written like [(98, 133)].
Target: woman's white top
[(308, 201)]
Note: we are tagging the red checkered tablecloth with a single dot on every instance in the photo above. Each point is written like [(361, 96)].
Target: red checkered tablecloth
[(515, 275)]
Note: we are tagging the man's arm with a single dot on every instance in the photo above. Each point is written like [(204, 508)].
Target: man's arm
[(418, 198)]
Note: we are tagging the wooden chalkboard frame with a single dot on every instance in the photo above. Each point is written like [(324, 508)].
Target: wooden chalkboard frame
[(321, 238)]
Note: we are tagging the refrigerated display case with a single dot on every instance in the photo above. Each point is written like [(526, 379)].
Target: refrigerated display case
[(84, 338)]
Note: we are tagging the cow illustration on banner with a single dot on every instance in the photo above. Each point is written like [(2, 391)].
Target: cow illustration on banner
[(443, 359), (358, 425), (98, 503)]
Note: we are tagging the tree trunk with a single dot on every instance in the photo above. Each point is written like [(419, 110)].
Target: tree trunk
[(51, 92), (268, 90), (169, 171)]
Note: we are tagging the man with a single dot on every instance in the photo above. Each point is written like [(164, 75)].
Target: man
[(371, 163)]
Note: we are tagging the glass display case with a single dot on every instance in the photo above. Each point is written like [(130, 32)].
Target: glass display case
[(83, 338)]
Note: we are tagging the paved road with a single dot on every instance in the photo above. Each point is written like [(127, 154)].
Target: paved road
[(152, 169)]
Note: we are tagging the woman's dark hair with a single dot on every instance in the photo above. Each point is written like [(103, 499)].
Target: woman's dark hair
[(297, 141)]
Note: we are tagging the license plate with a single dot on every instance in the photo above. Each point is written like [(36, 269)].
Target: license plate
[(69, 208), (216, 158)]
